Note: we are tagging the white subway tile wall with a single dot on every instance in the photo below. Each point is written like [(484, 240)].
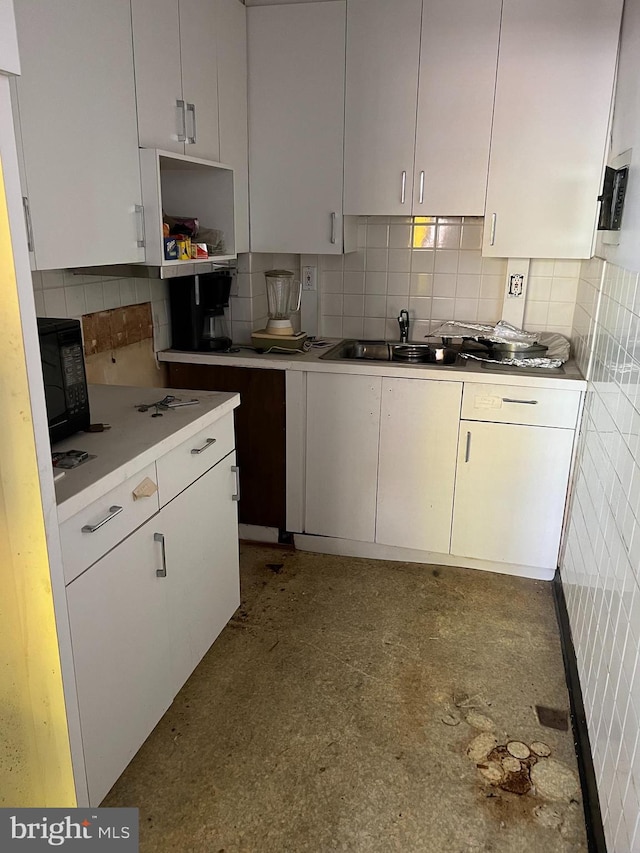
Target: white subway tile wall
[(61, 293), (601, 566), (433, 267)]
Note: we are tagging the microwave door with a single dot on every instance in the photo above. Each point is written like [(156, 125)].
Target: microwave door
[(53, 379)]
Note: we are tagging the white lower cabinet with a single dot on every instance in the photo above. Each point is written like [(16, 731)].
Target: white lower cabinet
[(201, 550), (144, 615), (343, 425), (121, 653), (471, 471), (417, 463), (511, 488)]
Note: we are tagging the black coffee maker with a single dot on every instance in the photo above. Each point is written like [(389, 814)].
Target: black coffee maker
[(197, 304)]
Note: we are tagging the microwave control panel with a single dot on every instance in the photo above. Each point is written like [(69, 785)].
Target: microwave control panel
[(73, 371)]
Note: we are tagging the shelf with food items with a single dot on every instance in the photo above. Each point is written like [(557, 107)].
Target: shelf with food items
[(188, 205)]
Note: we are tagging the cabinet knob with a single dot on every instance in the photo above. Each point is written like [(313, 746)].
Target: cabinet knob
[(161, 573), (492, 235), (182, 118), (236, 471), (113, 511)]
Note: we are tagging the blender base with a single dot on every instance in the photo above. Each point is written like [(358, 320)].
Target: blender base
[(263, 340)]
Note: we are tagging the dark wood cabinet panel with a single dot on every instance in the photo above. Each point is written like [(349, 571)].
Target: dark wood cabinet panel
[(260, 434)]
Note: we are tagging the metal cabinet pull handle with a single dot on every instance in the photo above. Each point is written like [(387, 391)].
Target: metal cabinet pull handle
[(161, 573), (182, 130), (403, 188), (142, 240), (492, 236), (333, 226), (191, 108), (208, 443), (27, 222), (113, 511), (236, 471), (421, 198), (467, 452), (524, 402)]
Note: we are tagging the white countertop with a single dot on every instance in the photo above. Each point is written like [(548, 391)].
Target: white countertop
[(468, 371), (135, 439)]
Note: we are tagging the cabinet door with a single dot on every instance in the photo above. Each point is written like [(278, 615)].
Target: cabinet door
[(121, 653), (296, 121), (231, 18), (511, 487), (156, 50), (200, 529), (417, 463), (553, 95), (458, 60), (383, 50), (76, 103), (343, 424), (198, 39)]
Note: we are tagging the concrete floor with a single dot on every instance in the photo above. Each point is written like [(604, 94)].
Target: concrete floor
[(331, 714)]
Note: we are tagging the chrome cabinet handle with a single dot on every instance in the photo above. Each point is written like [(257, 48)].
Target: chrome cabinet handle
[(403, 188), (182, 130), (467, 452), (492, 236), (191, 108), (142, 239), (208, 443), (333, 226), (523, 402), (161, 573), (421, 198), (27, 222), (236, 471), (113, 511)]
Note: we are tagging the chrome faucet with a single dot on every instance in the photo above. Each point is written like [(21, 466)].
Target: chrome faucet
[(403, 323)]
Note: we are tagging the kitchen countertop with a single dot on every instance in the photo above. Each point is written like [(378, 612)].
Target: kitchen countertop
[(134, 441), (468, 371)]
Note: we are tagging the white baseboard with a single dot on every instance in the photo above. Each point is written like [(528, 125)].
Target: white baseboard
[(256, 533), (372, 550)]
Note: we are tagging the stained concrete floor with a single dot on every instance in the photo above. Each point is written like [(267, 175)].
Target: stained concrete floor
[(330, 715)]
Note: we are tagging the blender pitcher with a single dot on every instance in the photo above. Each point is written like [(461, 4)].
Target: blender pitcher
[(283, 300)]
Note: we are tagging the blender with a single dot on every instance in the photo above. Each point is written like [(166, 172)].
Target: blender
[(283, 300)]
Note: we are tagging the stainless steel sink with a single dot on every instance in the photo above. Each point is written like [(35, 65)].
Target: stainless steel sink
[(409, 353)]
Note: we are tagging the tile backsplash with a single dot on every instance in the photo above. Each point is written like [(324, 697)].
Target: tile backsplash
[(433, 267), (601, 566), (61, 293)]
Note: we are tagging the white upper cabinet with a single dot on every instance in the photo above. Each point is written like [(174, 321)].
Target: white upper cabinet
[(176, 76), (76, 127), (232, 108), (420, 86), (296, 121), (553, 96), (383, 52), (458, 61)]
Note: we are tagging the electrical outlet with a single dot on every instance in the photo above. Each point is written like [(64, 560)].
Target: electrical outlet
[(309, 275)]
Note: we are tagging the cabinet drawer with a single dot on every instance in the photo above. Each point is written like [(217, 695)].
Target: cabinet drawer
[(516, 404), (183, 465), (113, 516)]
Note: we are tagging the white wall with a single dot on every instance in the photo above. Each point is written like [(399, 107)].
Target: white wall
[(601, 567), (626, 134)]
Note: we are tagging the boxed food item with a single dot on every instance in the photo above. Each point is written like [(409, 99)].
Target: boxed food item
[(199, 251), (170, 249), (184, 248)]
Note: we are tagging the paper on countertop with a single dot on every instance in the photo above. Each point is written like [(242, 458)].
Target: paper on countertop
[(145, 489)]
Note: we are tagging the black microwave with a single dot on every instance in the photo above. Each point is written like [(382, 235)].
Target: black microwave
[(65, 381)]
